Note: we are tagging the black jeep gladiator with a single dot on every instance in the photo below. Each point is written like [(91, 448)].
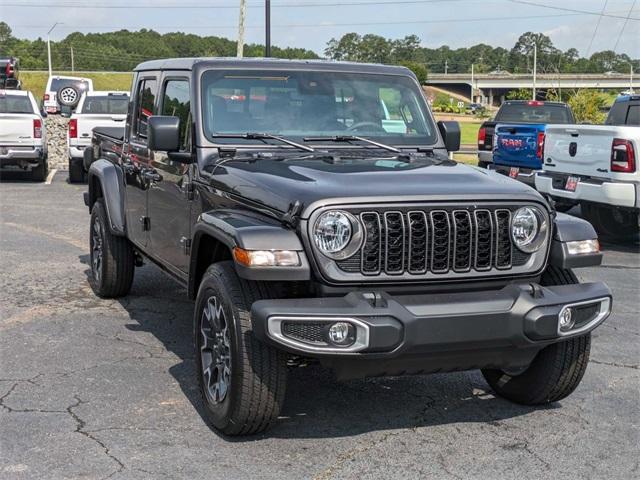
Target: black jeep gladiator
[(312, 212)]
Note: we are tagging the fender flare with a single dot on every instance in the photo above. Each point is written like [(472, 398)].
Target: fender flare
[(571, 229), (234, 228), (107, 178)]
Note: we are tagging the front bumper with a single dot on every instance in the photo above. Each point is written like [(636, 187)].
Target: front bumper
[(525, 175), (620, 194), (20, 158), (454, 331)]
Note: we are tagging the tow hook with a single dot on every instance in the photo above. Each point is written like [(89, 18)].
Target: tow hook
[(535, 290)]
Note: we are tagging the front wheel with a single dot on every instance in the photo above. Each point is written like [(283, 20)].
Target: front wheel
[(242, 380), (557, 369)]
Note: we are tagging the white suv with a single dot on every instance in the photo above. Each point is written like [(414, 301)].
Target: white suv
[(64, 92)]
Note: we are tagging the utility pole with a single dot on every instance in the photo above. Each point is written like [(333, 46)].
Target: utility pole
[(631, 78), (73, 69), (446, 66), (267, 25), (240, 50), (535, 68), (49, 45)]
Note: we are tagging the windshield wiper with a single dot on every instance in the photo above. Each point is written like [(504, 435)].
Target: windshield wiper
[(352, 138), (264, 136)]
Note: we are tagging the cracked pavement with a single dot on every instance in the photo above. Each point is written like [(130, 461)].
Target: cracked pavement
[(98, 389)]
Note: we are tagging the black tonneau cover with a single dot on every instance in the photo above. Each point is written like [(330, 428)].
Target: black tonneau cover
[(115, 133)]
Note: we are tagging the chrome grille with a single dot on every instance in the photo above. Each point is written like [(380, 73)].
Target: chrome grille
[(435, 241)]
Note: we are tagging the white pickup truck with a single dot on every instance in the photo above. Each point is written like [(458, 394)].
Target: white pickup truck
[(95, 109), (23, 138), (596, 166)]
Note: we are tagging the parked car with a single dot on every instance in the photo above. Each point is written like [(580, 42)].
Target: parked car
[(64, 91), (328, 237), (23, 138), (9, 73), (522, 135), (597, 167), (95, 109)]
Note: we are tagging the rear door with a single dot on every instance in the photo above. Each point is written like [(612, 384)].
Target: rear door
[(136, 158), (169, 192)]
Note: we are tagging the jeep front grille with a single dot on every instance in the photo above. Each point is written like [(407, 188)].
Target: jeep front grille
[(421, 241)]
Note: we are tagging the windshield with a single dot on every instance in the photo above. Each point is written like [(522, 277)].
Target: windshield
[(311, 104), (113, 105), (525, 113), (58, 83), (15, 104)]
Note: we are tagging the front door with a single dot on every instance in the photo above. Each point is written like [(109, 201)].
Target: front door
[(169, 192), (135, 162)]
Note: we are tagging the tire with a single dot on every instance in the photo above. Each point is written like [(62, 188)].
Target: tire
[(76, 172), (39, 174), (557, 369), (244, 393), (68, 96), (112, 259), (611, 222)]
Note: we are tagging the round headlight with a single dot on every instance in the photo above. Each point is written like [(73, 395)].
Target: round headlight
[(337, 234), (528, 229)]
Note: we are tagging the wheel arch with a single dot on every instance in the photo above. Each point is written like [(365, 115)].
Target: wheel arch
[(105, 181)]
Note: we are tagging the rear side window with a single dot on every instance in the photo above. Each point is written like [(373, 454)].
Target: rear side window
[(525, 113), (617, 114), (633, 117), (15, 104), (145, 101), (176, 102), (109, 105)]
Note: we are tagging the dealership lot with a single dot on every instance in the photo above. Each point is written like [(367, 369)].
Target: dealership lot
[(92, 388)]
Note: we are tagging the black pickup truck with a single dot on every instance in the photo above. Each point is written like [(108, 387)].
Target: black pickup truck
[(307, 226)]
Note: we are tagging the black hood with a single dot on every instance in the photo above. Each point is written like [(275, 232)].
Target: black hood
[(313, 182)]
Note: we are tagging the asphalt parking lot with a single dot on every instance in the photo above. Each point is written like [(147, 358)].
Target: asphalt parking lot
[(97, 389)]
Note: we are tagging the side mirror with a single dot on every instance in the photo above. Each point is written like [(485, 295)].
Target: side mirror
[(450, 132), (163, 133)]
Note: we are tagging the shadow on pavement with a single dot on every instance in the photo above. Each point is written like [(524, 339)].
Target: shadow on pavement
[(316, 405)]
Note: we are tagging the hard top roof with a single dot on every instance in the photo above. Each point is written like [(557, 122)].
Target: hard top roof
[(270, 63), (627, 98)]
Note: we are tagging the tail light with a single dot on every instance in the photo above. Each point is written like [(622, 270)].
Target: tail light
[(8, 70), (623, 156), (482, 136), (535, 103), (46, 96), (37, 128), (73, 128), (540, 146)]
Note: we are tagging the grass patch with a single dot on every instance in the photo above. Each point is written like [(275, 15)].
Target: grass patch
[(469, 132), (37, 81), (468, 158)]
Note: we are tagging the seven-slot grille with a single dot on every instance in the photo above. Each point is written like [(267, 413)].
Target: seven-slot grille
[(438, 241)]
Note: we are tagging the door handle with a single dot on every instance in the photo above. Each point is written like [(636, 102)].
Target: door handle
[(152, 176)]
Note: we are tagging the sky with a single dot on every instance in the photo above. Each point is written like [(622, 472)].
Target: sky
[(311, 23)]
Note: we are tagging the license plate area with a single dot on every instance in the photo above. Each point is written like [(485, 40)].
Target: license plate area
[(514, 171), (571, 183)]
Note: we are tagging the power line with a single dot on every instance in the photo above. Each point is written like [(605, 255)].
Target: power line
[(584, 12), (624, 25), (595, 31)]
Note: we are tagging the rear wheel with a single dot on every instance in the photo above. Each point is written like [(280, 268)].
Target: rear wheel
[(39, 174), (112, 257), (76, 172), (557, 369), (612, 222), (242, 380)]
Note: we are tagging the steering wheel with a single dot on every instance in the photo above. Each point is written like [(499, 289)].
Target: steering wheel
[(359, 125)]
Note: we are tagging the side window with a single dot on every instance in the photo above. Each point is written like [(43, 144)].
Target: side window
[(145, 101), (176, 102), (633, 117), (617, 114)]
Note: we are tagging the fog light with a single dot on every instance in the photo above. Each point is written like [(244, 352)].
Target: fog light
[(342, 334), (566, 319)]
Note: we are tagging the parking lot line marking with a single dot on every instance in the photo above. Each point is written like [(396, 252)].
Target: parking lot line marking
[(50, 176)]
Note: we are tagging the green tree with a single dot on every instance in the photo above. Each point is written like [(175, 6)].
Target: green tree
[(419, 69), (520, 94), (587, 106)]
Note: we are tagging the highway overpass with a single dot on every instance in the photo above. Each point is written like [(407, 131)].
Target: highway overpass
[(490, 89)]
